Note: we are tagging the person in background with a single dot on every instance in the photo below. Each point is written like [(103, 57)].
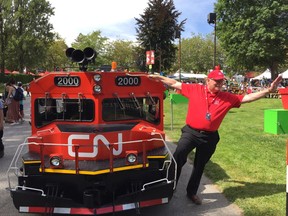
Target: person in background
[(207, 107), (9, 90), (13, 105), (21, 104), (4, 96), (27, 90), (1, 128)]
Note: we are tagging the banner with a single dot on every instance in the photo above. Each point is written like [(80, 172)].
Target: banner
[(150, 57)]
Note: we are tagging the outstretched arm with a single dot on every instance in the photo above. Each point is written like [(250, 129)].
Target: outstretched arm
[(168, 81), (257, 95)]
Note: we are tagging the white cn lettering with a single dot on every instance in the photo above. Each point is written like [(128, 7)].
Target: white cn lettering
[(106, 142), (120, 145), (81, 154), (95, 144)]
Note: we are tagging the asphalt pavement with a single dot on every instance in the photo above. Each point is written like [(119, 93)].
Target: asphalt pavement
[(214, 202)]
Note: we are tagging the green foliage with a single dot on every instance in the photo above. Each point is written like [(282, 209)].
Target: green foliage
[(95, 41), (18, 77), (253, 32), (197, 54), (29, 33), (156, 30), (249, 165), (56, 58), (123, 53)]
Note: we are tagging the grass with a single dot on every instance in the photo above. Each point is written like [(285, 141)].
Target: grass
[(249, 165)]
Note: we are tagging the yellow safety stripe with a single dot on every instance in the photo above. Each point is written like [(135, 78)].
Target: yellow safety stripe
[(32, 162), (159, 157), (85, 172)]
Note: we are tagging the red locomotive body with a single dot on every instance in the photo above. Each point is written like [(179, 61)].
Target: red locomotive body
[(97, 145)]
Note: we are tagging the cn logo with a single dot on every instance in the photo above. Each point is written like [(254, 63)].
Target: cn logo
[(73, 139)]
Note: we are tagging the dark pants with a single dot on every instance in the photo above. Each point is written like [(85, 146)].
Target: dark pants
[(205, 144), (1, 143)]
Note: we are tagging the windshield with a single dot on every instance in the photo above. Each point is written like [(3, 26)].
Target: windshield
[(59, 109), (140, 108)]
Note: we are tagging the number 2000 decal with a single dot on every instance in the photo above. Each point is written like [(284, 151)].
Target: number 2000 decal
[(128, 81), (67, 81)]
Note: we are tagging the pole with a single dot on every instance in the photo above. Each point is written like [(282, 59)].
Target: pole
[(214, 60), (212, 20), (171, 106), (287, 178), (179, 57)]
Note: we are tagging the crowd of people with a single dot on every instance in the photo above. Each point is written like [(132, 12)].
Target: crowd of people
[(13, 111), (11, 107)]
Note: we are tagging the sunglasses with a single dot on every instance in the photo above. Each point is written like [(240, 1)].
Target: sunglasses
[(218, 81)]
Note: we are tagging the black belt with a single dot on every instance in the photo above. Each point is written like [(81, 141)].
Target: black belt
[(201, 131)]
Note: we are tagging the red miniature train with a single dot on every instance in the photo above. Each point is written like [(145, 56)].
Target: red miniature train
[(97, 144)]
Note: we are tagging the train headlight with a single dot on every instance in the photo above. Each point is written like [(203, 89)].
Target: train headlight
[(97, 77), (97, 89), (131, 157), (56, 161)]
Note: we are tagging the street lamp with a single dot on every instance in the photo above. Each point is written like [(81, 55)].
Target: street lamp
[(178, 35), (211, 19)]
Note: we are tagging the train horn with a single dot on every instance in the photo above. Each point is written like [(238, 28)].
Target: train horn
[(89, 53), (78, 56), (83, 58), (69, 52)]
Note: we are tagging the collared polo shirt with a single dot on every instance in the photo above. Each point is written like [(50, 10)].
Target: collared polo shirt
[(202, 102)]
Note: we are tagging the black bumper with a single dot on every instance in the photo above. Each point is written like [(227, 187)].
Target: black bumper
[(34, 202)]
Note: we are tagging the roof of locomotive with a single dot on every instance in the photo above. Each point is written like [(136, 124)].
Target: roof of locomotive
[(109, 83), (111, 80)]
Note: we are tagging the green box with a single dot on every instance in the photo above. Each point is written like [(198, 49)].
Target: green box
[(276, 121), (178, 98)]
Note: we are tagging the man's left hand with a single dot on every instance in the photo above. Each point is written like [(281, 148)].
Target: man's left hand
[(275, 84)]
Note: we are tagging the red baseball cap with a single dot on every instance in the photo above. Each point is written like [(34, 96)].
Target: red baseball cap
[(216, 74)]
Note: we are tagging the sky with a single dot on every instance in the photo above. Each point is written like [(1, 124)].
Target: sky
[(116, 18)]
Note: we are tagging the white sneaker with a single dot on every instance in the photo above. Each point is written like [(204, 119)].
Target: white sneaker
[(15, 123)]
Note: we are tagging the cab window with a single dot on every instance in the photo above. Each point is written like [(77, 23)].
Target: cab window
[(140, 108), (58, 109)]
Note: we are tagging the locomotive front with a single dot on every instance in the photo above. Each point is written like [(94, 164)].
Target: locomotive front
[(97, 144)]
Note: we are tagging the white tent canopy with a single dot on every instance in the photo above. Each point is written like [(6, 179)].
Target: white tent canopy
[(265, 75), (285, 74), (191, 75)]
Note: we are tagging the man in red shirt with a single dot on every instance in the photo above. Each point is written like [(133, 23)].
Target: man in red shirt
[(207, 107)]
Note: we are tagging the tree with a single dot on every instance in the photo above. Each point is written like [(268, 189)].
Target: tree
[(253, 33), (5, 31), (55, 56), (95, 41), (197, 54), (2, 40), (122, 52), (156, 31), (32, 33)]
